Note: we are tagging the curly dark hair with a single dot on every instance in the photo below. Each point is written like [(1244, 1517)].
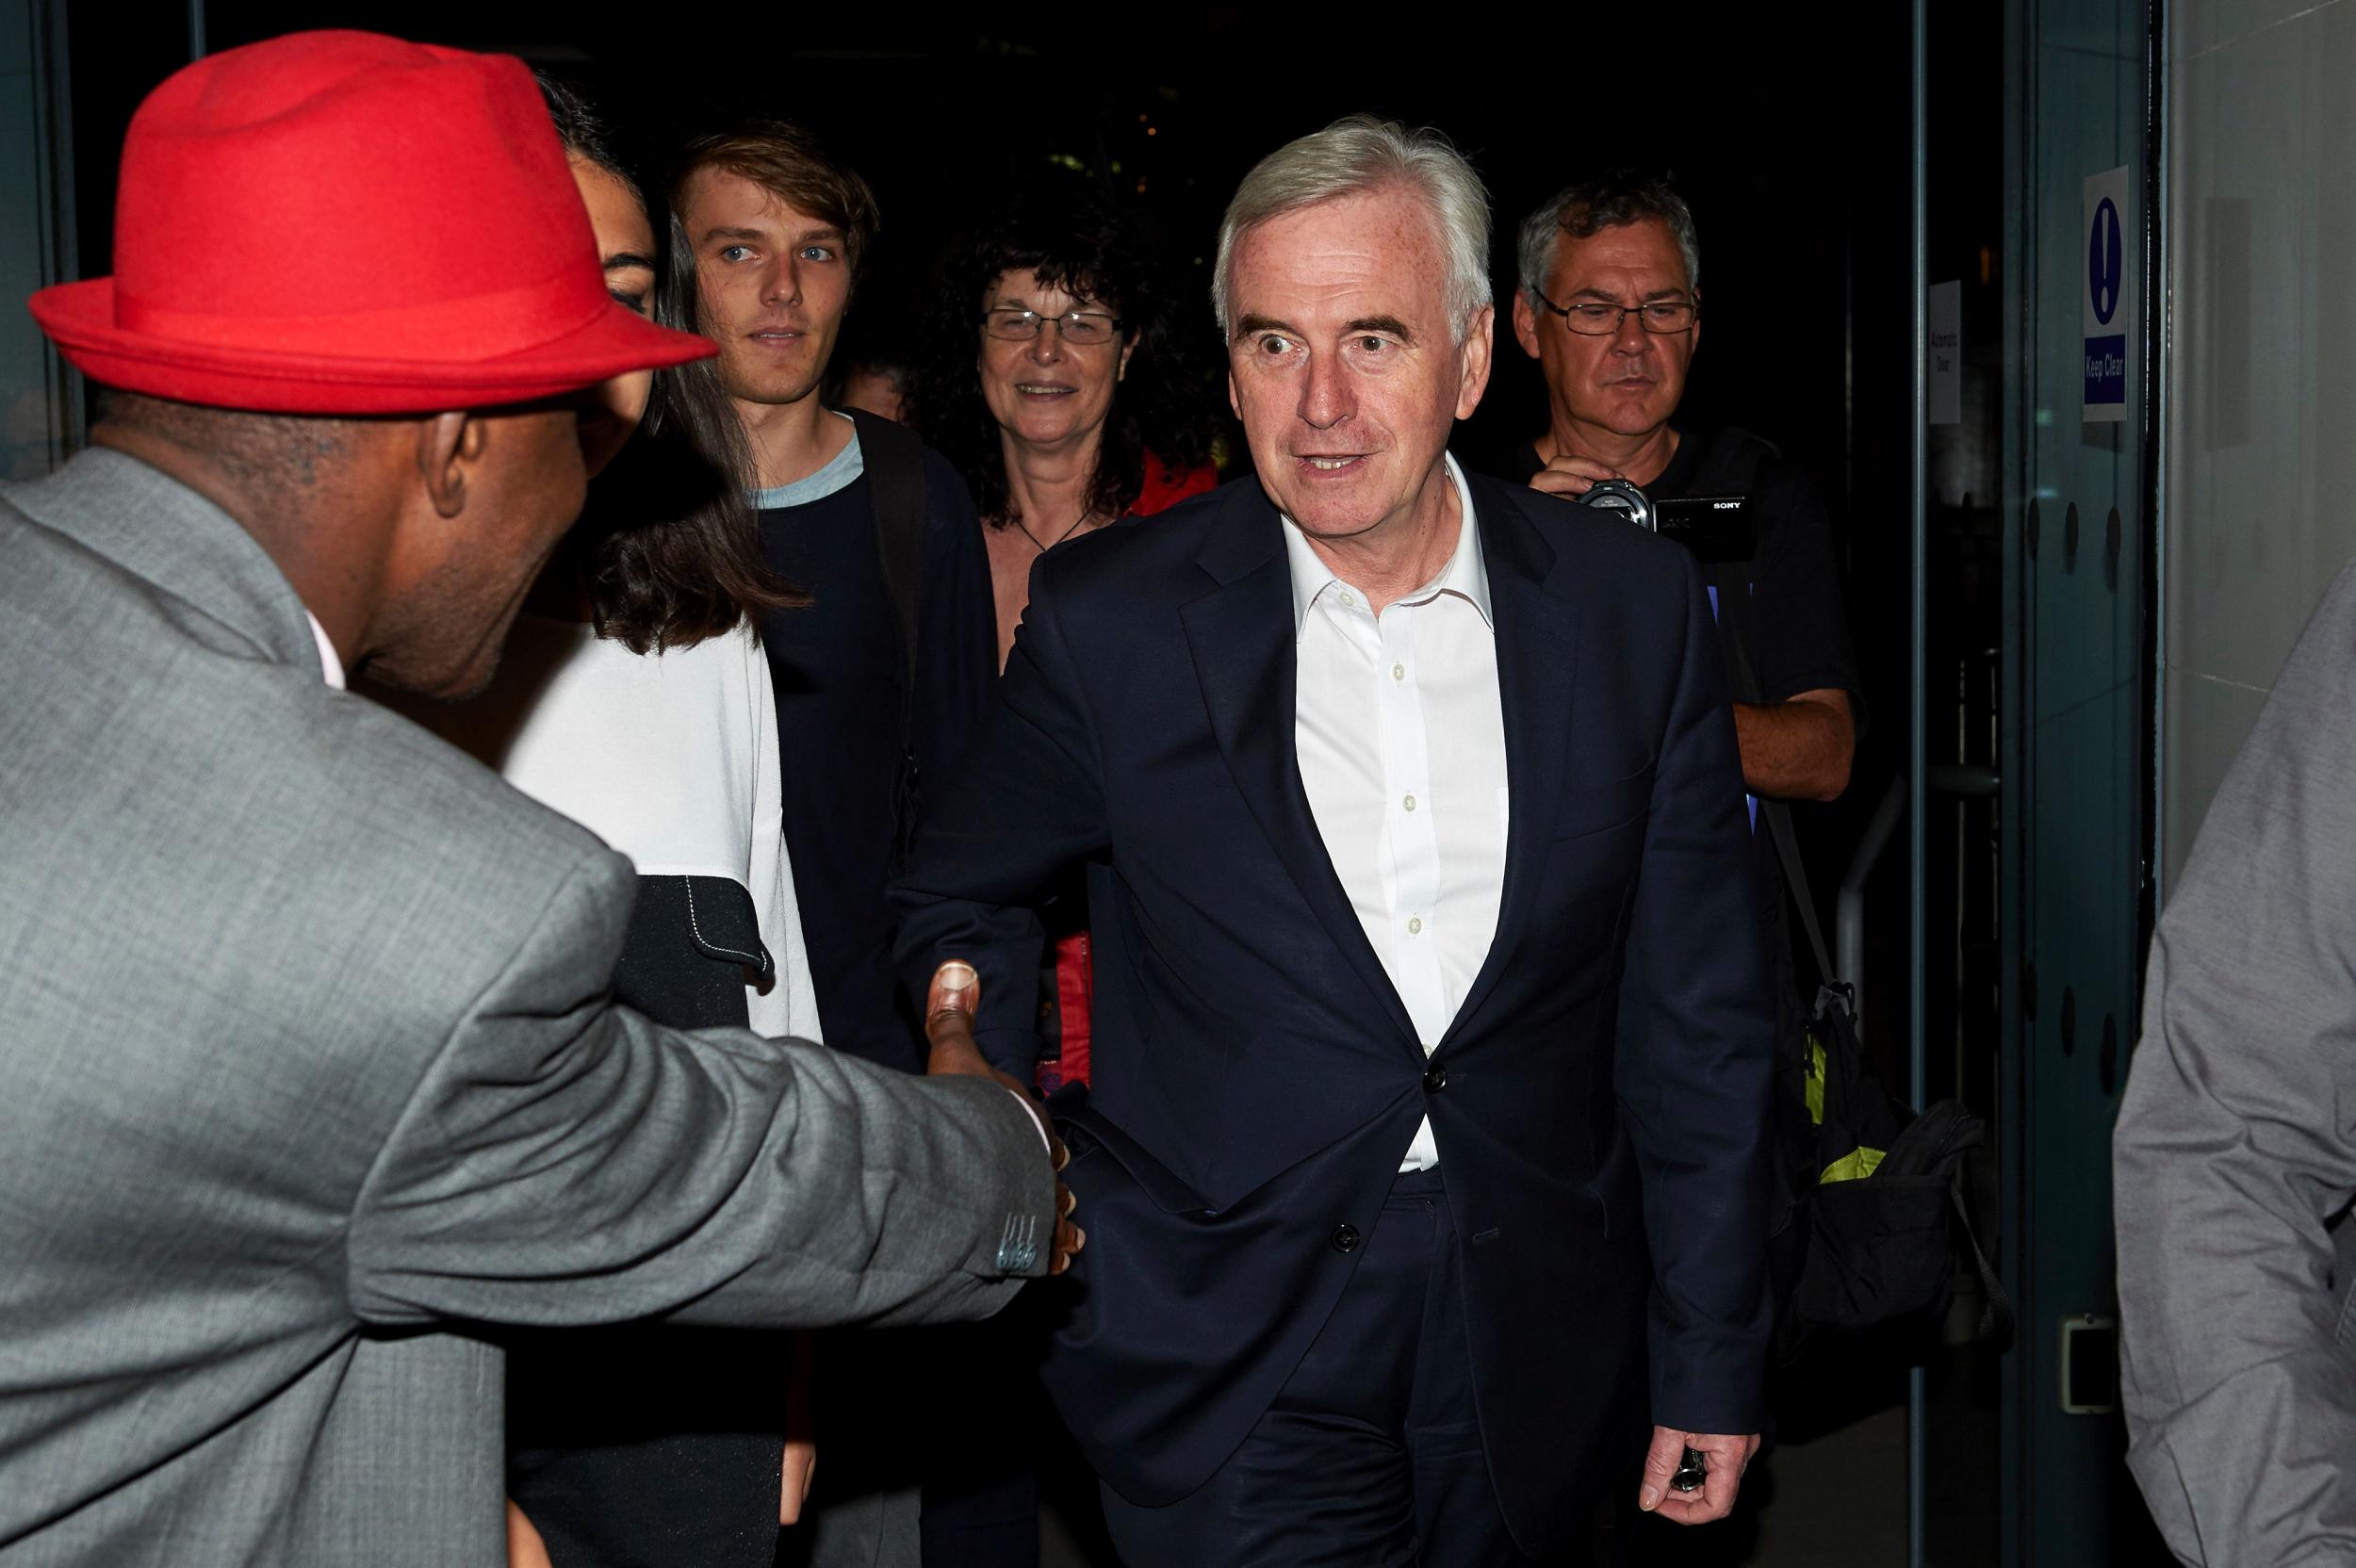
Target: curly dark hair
[(1095, 254)]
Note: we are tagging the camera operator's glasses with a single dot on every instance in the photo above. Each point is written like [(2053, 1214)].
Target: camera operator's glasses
[(1594, 318), (1078, 326)]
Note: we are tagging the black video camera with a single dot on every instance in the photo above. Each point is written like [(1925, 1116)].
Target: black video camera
[(1714, 527)]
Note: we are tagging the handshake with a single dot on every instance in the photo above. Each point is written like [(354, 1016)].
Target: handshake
[(949, 1006)]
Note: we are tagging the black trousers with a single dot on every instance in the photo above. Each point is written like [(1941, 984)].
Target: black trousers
[(1372, 1453)]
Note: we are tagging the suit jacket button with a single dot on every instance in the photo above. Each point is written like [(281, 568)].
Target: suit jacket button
[(1434, 1078), (1345, 1239)]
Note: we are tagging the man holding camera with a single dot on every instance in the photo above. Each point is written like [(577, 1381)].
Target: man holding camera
[(1609, 305)]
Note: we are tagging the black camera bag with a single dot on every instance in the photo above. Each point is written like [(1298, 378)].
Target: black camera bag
[(1877, 1212)]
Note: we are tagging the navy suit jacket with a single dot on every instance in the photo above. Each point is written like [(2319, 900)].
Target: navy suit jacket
[(1599, 1102)]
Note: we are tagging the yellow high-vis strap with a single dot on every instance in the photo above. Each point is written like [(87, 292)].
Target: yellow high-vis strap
[(1855, 1165)]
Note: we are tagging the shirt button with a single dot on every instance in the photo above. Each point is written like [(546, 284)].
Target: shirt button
[(1349, 602), (1345, 1238), (1415, 925), (1411, 803), (1398, 672)]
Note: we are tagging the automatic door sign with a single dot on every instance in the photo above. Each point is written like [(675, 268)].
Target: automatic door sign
[(2106, 311)]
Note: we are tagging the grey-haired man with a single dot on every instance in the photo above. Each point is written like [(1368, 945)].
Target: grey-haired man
[(1431, 1043)]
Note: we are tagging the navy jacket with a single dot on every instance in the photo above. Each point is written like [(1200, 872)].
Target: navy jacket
[(1599, 1102)]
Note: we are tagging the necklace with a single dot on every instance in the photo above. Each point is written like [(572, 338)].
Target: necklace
[(1059, 539)]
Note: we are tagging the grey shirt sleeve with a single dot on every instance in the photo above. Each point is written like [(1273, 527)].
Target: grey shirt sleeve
[(565, 1161), (2234, 1153)]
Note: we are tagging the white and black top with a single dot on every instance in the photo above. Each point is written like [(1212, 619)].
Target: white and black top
[(671, 760)]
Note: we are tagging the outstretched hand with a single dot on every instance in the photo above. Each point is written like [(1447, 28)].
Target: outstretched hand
[(949, 1004), (1726, 1457)]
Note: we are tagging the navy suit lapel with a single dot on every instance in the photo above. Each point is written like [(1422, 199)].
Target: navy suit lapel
[(1537, 645), (1241, 636)]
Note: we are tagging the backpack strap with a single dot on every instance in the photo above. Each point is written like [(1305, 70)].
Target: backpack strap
[(1733, 462), (1996, 1311), (894, 461), (1728, 463)]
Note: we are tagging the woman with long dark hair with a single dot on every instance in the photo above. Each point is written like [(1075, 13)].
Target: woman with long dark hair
[(1054, 375), (634, 698)]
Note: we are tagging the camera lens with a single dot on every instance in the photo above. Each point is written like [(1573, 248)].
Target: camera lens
[(1619, 496)]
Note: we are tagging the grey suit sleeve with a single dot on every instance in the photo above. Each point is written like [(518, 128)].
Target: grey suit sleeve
[(564, 1160), (2233, 1150)]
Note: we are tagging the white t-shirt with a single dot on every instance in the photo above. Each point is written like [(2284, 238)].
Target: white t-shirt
[(671, 758)]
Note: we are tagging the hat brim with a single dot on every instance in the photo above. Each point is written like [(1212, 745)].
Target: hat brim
[(81, 318)]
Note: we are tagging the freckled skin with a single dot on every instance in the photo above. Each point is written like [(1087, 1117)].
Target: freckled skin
[(1342, 345)]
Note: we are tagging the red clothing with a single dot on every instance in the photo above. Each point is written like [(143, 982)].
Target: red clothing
[(1165, 487)]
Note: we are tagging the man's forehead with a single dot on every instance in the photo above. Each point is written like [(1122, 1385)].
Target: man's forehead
[(1399, 219), (724, 196), (1381, 245), (1643, 246)]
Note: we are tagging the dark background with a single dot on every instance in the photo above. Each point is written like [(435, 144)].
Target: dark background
[(1794, 161), (1790, 141)]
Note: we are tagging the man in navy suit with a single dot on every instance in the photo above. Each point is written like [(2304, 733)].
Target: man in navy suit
[(1433, 1035)]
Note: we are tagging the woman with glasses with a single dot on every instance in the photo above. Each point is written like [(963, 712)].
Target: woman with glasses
[(1051, 374), (1053, 378)]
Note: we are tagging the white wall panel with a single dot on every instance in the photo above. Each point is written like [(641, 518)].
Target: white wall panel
[(2261, 388)]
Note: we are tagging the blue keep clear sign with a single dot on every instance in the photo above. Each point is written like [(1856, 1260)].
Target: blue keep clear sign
[(2106, 297)]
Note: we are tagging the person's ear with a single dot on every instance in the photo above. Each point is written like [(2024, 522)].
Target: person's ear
[(1128, 346), (448, 445), (1478, 344), (1524, 324)]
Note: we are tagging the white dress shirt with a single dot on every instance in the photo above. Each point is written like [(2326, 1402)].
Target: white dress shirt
[(331, 663), (1401, 741)]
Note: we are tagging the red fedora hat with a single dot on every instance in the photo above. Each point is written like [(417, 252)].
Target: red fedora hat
[(340, 222)]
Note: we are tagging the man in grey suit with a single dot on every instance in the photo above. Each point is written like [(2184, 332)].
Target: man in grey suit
[(2236, 1153), (310, 1073)]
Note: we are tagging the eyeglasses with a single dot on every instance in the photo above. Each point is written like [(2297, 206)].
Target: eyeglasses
[(1077, 326), (1594, 318)]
